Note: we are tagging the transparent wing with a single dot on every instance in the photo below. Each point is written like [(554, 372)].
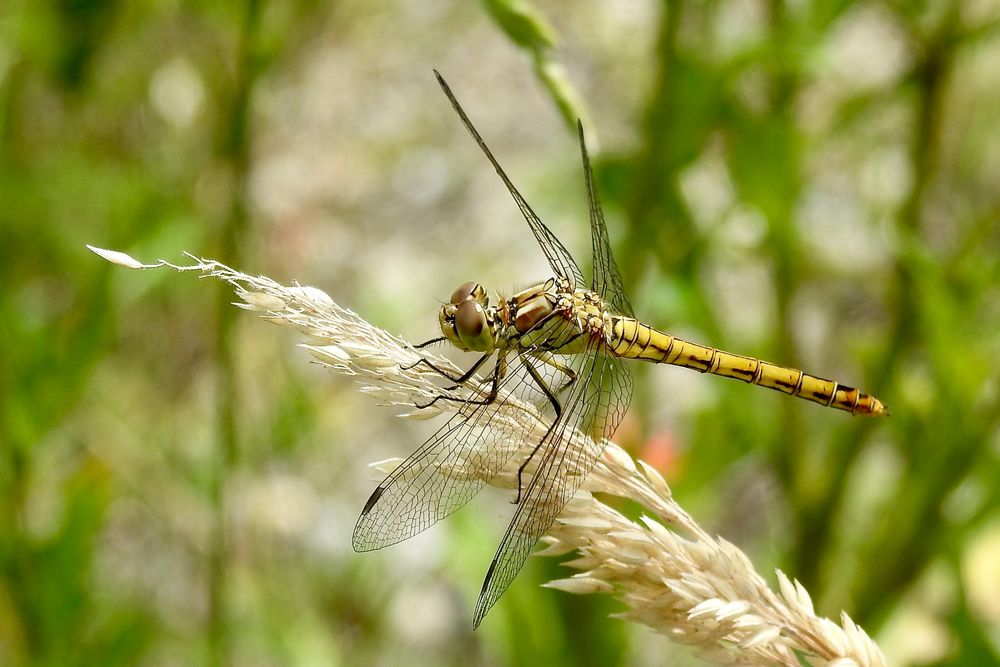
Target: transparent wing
[(593, 407), (607, 277), (450, 467), (559, 258), (454, 464)]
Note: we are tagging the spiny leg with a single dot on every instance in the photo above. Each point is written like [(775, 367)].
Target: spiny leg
[(439, 339), (499, 371), (550, 360), (458, 380)]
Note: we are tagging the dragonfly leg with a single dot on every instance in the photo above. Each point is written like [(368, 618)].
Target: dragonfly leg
[(548, 358), (540, 381), (498, 372), (428, 342), (566, 370), (458, 380)]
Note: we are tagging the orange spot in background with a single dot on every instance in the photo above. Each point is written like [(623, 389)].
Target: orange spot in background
[(660, 449)]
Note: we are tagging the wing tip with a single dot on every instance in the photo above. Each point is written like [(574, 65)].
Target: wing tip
[(360, 539), (487, 596)]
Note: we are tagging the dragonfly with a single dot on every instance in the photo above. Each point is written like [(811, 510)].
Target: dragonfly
[(560, 345)]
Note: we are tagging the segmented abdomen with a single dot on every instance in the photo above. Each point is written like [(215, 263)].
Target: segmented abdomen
[(632, 339)]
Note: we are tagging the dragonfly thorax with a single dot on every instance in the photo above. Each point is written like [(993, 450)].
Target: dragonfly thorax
[(527, 310), (556, 317)]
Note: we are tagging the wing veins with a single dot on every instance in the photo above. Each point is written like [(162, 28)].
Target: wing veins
[(543, 499), (413, 479), (607, 278), (559, 258)]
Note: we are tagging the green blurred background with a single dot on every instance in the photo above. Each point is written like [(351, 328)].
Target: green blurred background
[(815, 183)]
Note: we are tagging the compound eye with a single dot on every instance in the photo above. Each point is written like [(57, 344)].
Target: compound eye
[(463, 292), (470, 320)]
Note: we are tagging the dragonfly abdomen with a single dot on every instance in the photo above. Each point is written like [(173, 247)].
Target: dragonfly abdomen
[(632, 339)]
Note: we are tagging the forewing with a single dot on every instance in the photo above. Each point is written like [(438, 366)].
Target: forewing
[(592, 409), (449, 468), (607, 277), (559, 258)]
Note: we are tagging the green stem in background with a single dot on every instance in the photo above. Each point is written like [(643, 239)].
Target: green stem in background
[(900, 550), (674, 128), (932, 74), (655, 173), (47, 356), (653, 201), (525, 26), (234, 150), (786, 456)]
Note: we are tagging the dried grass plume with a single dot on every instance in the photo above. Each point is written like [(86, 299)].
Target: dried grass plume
[(670, 574)]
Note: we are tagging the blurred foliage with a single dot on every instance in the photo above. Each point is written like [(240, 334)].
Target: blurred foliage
[(815, 183)]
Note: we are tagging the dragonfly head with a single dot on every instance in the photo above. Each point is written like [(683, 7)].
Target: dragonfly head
[(467, 321)]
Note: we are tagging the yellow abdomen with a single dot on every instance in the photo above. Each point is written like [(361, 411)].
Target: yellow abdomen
[(632, 339)]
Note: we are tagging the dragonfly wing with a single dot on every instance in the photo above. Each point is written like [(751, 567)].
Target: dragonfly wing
[(592, 409), (448, 469), (607, 277), (559, 258)]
